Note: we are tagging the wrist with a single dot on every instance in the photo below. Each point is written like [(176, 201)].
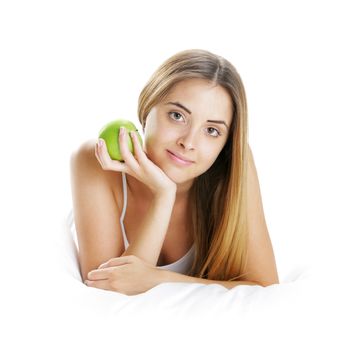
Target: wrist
[(165, 194), (172, 276), (165, 275)]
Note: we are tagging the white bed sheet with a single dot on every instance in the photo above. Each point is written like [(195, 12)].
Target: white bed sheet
[(304, 311)]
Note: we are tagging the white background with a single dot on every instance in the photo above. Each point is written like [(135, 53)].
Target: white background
[(68, 67)]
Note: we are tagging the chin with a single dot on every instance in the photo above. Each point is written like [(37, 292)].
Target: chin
[(178, 175)]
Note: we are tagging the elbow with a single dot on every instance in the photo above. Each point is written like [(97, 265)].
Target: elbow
[(269, 280), (267, 283)]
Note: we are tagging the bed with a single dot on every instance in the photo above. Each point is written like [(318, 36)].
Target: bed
[(302, 311)]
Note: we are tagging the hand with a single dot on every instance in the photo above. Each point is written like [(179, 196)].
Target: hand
[(138, 166), (128, 274)]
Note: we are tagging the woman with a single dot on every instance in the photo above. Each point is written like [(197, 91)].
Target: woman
[(194, 209)]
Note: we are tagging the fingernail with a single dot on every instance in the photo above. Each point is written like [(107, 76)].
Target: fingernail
[(122, 130), (100, 142)]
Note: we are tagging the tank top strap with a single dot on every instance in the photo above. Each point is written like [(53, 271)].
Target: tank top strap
[(125, 202)]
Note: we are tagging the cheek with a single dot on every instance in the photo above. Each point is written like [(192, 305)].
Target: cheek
[(160, 137), (210, 151), (209, 155), (155, 142)]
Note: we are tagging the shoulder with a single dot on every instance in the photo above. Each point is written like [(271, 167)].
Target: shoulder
[(85, 151), (261, 266), (83, 159), (250, 156)]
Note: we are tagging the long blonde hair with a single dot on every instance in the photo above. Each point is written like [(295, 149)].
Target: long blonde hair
[(218, 197)]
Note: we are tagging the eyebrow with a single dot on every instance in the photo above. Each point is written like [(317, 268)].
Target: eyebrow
[(189, 112)]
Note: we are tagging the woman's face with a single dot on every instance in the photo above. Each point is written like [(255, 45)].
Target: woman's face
[(197, 131)]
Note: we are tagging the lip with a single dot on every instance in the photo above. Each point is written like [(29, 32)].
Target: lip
[(178, 159)]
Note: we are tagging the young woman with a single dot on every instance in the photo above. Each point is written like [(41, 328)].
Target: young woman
[(186, 207)]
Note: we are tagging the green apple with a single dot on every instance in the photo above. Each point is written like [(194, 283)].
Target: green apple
[(110, 133)]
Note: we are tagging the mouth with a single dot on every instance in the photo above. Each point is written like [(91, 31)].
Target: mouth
[(178, 159)]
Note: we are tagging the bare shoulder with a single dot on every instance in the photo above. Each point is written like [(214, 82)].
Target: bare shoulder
[(84, 157), (250, 157), (85, 151)]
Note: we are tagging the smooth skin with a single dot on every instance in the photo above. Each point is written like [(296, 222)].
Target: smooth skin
[(158, 180)]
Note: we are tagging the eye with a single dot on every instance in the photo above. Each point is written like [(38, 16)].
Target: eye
[(218, 133), (176, 114)]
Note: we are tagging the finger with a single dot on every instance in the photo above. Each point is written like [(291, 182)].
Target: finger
[(103, 151), (97, 154), (100, 274), (105, 159), (102, 284), (121, 260), (125, 152), (138, 150)]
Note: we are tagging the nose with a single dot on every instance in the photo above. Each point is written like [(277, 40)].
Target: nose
[(187, 140)]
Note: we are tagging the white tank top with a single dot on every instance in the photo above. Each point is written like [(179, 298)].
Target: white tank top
[(182, 265)]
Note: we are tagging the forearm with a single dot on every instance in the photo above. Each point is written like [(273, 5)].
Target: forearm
[(171, 276), (149, 239)]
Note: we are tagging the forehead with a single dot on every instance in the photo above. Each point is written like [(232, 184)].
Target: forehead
[(203, 97)]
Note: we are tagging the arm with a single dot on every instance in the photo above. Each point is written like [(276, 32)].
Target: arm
[(150, 237), (149, 240), (261, 264), (171, 276), (131, 275), (96, 212)]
